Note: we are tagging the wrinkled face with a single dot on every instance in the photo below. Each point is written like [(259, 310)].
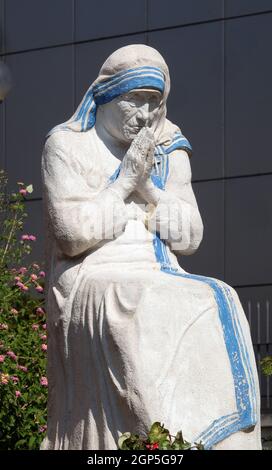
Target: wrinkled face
[(125, 116)]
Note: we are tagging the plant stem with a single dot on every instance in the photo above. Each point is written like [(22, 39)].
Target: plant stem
[(9, 238)]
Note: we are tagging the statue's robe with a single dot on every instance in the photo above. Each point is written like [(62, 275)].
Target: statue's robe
[(133, 338)]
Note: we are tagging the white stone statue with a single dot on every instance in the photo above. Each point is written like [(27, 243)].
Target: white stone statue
[(133, 338)]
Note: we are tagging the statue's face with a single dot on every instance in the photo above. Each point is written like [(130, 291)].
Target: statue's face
[(125, 116)]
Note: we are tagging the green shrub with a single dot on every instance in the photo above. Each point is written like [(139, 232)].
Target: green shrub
[(23, 383), (266, 365), (157, 438)]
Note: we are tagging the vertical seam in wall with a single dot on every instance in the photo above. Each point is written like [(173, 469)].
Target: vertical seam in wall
[(73, 55), (4, 136), (3, 35), (4, 103), (223, 137), (146, 22)]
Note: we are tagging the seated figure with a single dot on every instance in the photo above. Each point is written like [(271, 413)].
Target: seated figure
[(133, 338)]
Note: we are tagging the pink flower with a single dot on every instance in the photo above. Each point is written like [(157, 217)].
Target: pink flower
[(44, 381), (34, 277), (23, 368), (39, 288), (2, 357), (42, 428), (22, 270), (15, 379), (22, 286), (19, 284), (17, 278), (40, 311), (44, 347), (35, 266), (12, 355), (35, 327), (32, 238), (3, 326), (23, 192), (25, 237), (42, 274), (43, 337), (14, 311), (44, 326), (17, 393)]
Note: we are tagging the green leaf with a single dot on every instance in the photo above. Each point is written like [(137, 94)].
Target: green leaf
[(31, 442), (199, 446), (266, 365), (179, 437), (158, 433), (20, 444), (123, 438), (165, 445), (180, 443)]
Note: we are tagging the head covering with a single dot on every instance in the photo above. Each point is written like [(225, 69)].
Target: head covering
[(128, 68)]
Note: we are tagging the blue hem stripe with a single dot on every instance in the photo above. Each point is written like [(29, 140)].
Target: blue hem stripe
[(218, 423), (244, 352)]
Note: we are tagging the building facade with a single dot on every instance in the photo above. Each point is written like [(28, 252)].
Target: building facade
[(219, 55)]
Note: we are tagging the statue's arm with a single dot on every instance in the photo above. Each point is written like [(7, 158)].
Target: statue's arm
[(179, 186), (79, 217), (176, 216)]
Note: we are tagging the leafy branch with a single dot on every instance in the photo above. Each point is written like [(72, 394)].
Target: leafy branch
[(266, 365), (157, 438)]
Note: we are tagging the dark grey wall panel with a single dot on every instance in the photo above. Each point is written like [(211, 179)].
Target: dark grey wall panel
[(257, 303), (36, 23), (41, 98), (248, 95), (249, 230), (209, 259), (91, 56), (194, 57), (2, 26), (243, 7), (35, 226), (105, 18), (172, 13), (2, 153)]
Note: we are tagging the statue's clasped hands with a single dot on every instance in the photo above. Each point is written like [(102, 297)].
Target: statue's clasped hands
[(136, 168)]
